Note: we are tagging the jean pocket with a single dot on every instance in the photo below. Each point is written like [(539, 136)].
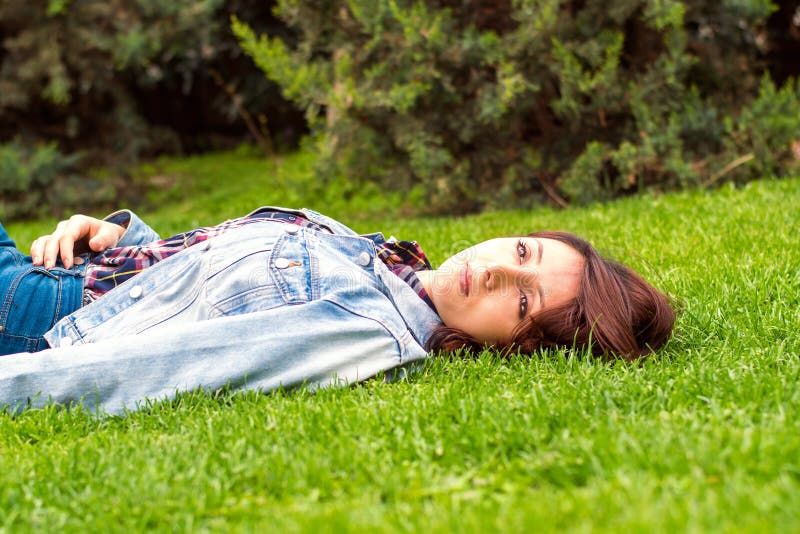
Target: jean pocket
[(30, 306)]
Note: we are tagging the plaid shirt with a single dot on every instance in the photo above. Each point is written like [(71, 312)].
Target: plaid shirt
[(114, 266)]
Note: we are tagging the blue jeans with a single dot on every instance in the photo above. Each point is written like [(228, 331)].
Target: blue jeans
[(32, 299)]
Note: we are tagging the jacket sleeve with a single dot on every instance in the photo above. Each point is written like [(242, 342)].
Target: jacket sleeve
[(262, 350), (137, 232)]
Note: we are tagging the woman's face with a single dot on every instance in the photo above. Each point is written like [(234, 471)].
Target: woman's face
[(487, 289)]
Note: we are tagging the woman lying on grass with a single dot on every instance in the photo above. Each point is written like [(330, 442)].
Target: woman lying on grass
[(283, 297)]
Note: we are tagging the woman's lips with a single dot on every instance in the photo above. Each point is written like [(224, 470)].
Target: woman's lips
[(466, 279)]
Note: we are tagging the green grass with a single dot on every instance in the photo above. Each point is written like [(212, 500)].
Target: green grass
[(704, 436)]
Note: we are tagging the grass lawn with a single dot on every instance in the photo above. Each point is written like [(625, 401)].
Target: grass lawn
[(704, 436)]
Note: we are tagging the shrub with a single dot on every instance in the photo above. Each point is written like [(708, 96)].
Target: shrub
[(120, 79), (70, 62), (769, 130), (40, 180), (489, 103)]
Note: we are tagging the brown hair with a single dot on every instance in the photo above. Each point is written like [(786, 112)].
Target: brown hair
[(615, 311)]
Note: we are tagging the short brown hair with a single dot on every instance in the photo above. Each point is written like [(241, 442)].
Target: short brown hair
[(616, 311)]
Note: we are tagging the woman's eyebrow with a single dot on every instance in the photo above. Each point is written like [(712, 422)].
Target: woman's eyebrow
[(539, 289), (540, 292), (540, 249)]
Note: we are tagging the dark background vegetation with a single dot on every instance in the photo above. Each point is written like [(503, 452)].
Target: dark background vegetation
[(474, 104)]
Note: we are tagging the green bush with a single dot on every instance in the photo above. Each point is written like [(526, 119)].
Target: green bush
[(117, 80), (69, 70), (39, 180), (497, 103), (768, 130)]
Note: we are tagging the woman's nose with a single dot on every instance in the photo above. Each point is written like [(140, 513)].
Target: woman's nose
[(508, 276)]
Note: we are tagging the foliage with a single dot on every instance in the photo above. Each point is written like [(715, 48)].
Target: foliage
[(705, 436), (121, 79), (70, 61), (491, 103), (40, 180), (769, 128), (118, 80)]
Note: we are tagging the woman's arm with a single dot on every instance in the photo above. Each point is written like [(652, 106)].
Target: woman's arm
[(262, 350), (81, 233)]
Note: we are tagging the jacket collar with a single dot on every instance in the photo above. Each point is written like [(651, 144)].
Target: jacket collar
[(419, 317)]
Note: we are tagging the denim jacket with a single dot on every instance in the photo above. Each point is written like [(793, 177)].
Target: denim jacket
[(261, 306)]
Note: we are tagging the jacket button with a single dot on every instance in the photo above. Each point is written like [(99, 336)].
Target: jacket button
[(135, 292), (281, 263), (78, 261), (291, 229), (364, 259)]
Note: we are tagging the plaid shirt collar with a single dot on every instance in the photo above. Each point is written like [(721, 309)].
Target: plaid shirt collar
[(404, 259)]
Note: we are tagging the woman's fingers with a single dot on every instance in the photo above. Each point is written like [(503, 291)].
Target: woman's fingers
[(76, 235), (51, 246), (66, 247), (37, 249), (107, 236), (45, 250)]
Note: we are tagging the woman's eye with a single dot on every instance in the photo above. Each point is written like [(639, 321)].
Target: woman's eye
[(523, 305), (522, 250)]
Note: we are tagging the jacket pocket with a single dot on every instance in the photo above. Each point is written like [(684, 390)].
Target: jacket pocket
[(262, 277)]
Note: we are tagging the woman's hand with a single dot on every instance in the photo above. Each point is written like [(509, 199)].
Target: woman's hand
[(76, 235)]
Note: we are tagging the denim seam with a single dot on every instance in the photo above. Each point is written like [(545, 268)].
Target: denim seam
[(73, 325), (313, 263), (283, 286), (9, 297), (17, 336), (400, 347), (59, 298)]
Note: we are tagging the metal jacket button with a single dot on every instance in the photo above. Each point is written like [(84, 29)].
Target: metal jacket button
[(364, 259), (281, 263), (291, 228), (135, 292)]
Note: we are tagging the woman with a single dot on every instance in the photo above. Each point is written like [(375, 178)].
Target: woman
[(286, 297)]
